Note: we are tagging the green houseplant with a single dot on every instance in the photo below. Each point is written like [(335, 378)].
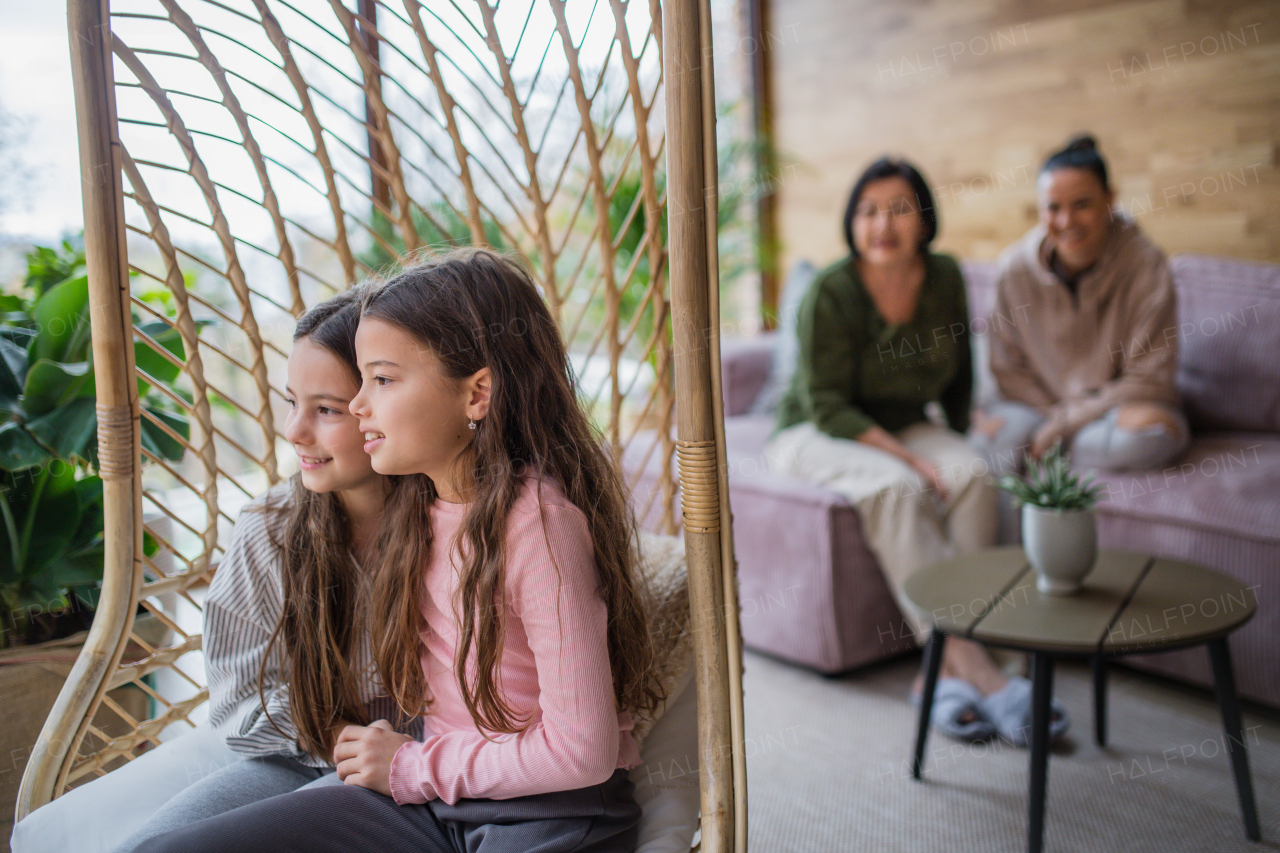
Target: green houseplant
[(51, 512), (51, 518), (1059, 532)]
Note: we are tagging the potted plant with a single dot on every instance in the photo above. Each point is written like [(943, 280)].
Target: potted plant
[(51, 544), (1058, 528), (51, 513)]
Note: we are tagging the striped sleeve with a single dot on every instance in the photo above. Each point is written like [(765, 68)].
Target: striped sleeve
[(241, 611)]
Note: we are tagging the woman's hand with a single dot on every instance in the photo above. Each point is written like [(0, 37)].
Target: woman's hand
[(987, 426), (878, 437), (1045, 436), (364, 755), (932, 476)]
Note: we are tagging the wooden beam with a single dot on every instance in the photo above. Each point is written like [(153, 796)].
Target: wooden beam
[(690, 201), (756, 22), (119, 449)]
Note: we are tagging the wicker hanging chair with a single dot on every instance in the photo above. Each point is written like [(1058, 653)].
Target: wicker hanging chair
[(244, 159)]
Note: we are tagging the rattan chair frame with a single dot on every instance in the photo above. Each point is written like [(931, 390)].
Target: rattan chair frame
[(470, 179)]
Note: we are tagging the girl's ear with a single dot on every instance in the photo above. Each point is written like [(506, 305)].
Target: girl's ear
[(479, 387)]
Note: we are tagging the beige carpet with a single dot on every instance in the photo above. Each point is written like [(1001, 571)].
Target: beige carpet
[(828, 765)]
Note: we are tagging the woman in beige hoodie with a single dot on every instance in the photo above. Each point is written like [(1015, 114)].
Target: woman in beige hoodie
[(1084, 342)]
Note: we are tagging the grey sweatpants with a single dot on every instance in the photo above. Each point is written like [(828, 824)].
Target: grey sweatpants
[(1101, 445), (233, 786), (341, 818), (185, 779)]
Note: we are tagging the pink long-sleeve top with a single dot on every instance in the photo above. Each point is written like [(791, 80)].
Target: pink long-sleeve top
[(554, 666)]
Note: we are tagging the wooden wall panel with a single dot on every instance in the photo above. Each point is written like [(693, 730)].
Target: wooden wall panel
[(1184, 98)]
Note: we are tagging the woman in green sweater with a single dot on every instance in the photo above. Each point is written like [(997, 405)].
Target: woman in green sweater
[(883, 345)]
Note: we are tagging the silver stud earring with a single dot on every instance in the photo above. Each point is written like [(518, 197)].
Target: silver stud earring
[(471, 424)]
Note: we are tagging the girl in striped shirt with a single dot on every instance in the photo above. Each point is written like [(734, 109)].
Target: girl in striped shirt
[(505, 605), (286, 643)]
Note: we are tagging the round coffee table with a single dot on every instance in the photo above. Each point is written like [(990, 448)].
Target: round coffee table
[(1129, 604)]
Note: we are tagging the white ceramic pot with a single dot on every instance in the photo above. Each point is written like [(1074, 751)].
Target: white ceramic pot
[(1061, 546)]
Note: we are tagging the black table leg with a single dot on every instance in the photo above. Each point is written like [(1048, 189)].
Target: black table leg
[(1041, 694), (1099, 666), (1224, 684), (932, 663)]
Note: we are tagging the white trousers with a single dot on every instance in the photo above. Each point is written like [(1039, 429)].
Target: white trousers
[(905, 524)]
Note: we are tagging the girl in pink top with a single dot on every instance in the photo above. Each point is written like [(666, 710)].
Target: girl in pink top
[(504, 600)]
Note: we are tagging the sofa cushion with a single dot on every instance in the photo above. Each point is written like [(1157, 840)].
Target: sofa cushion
[(744, 369), (1229, 318), (980, 289), (786, 347), (1225, 483), (664, 586), (980, 292), (745, 438)]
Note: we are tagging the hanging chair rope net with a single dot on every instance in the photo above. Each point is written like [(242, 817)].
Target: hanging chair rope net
[(273, 152)]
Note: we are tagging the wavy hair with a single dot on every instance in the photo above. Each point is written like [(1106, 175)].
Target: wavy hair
[(324, 612), (474, 309)]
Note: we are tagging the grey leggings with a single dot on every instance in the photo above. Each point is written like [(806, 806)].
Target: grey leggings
[(1101, 444), (233, 786), (341, 818)]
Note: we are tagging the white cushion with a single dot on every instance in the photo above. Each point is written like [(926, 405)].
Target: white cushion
[(666, 780), (97, 817)]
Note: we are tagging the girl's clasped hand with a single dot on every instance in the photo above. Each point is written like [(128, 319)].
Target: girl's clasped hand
[(363, 755)]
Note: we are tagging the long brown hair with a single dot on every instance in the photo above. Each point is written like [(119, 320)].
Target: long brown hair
[(475, 309), (324, 612)]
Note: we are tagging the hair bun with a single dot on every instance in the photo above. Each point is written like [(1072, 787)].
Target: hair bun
[(1083, 142), (1081, 152)]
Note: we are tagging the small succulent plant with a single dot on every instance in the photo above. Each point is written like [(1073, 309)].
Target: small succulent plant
[(1050, 483)]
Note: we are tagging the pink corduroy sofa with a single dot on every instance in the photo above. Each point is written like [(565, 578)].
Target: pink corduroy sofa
[(811, 592)]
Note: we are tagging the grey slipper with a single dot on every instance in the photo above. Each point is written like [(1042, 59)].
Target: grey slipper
[(952, 699), (1009, 708)]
